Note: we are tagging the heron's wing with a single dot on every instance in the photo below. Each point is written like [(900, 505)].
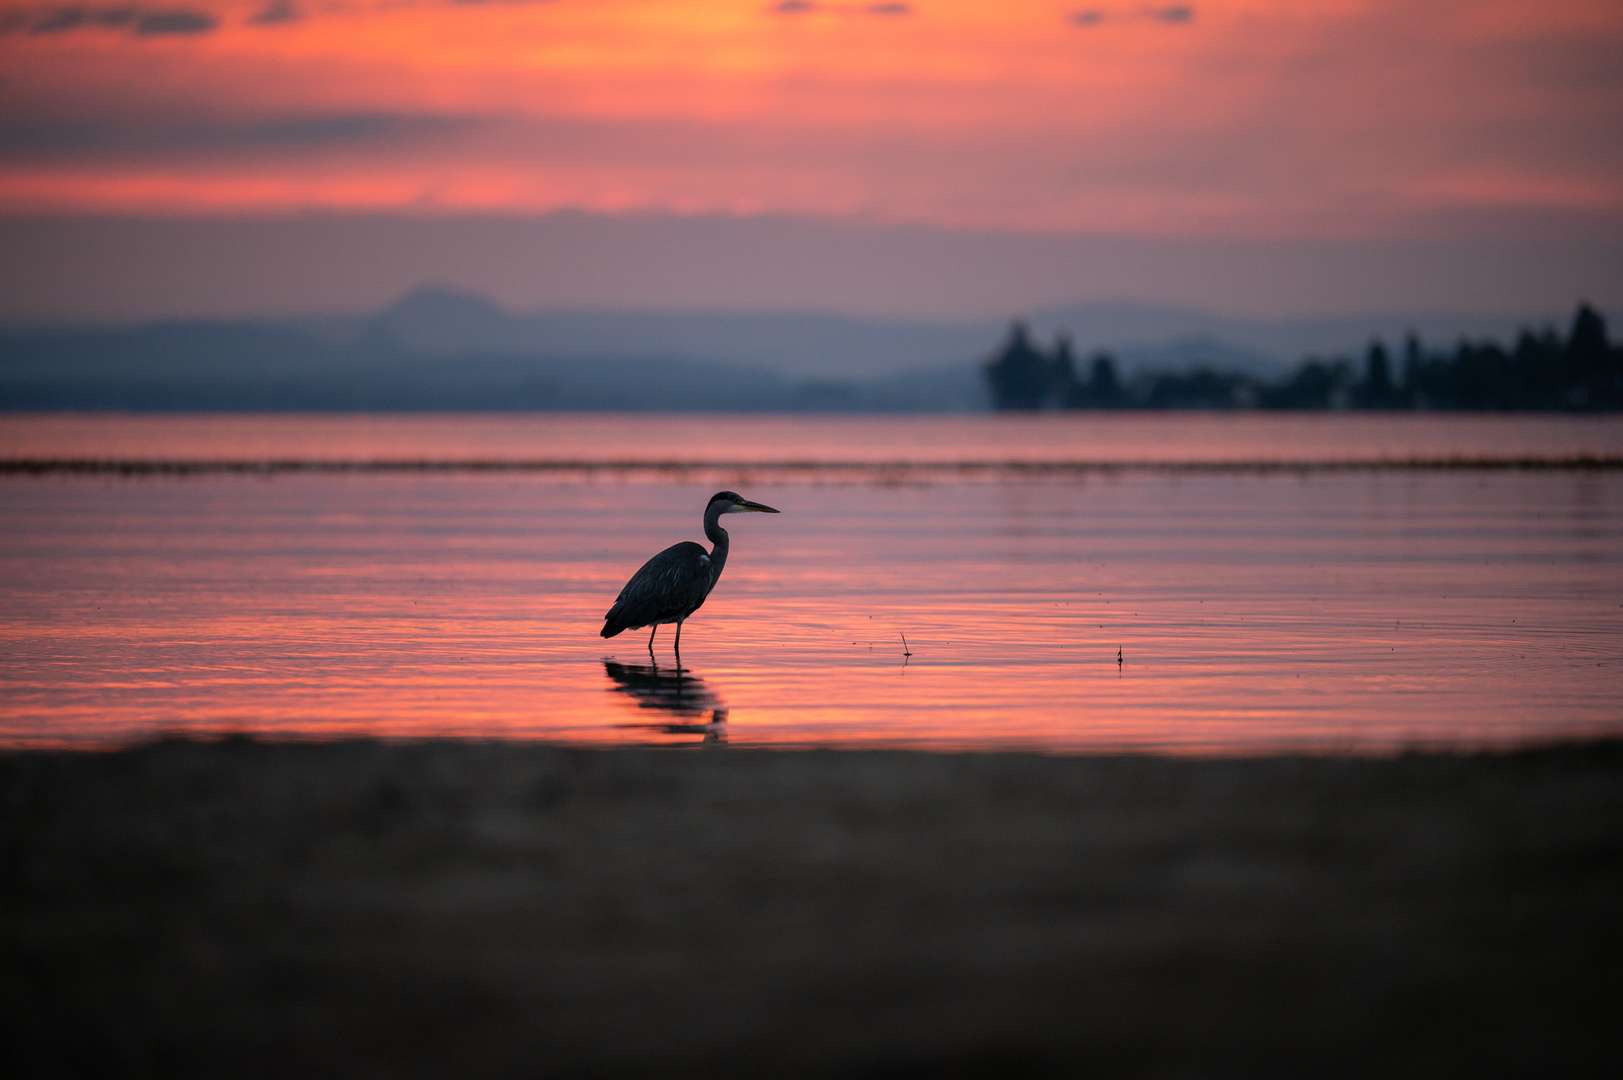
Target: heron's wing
[(669, 586)]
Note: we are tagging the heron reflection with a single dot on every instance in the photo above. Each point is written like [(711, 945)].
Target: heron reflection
[(693, 708)]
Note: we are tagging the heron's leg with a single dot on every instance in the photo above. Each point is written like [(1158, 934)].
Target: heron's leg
[(679, 644), (651, 639)]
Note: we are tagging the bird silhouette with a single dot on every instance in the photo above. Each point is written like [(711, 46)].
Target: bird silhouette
[(673, 584)]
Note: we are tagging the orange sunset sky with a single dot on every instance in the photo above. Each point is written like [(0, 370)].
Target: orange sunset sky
[(1253, 122)]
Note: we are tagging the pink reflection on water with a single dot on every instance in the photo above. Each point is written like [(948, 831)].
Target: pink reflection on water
[(1092, 437), (1360, 612)]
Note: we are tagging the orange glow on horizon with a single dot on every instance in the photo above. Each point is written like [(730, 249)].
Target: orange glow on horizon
[(1247, 117)]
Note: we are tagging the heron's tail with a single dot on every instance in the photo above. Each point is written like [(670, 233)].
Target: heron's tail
[(615, 621)]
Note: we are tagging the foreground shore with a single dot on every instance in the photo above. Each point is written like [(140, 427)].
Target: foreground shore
[(362, 909)]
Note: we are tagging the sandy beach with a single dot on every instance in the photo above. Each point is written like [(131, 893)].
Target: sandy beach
[(242, 908)]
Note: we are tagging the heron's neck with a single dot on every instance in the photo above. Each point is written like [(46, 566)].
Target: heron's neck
[(718, 537)]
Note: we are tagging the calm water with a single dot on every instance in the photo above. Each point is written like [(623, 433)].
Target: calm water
[(1346, 609), (692, 441)]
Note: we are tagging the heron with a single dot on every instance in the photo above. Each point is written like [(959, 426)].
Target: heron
[(673, 584)]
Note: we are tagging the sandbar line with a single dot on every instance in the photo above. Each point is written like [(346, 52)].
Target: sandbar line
[(879, 470)]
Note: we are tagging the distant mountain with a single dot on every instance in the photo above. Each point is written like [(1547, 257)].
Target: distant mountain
[(819, 346), (438, 349), (434, 321), (407, 362)]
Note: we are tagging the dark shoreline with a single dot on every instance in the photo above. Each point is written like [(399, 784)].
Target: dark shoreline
[(243, 908)]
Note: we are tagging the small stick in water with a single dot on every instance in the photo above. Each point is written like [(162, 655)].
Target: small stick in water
[(1118, 656), (904, 644)]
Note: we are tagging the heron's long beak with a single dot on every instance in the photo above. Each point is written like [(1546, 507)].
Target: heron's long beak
[(759, 508)]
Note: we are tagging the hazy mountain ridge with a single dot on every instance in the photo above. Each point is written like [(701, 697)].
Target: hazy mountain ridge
[(437, 349), (819, 345)]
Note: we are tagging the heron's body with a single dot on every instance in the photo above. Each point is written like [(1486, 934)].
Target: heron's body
[(673, 584)]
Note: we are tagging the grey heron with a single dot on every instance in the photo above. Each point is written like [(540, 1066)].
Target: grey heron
[(673, 584)]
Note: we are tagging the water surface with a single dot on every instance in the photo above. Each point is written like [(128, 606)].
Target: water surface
[(1362, 610), (567, 441)]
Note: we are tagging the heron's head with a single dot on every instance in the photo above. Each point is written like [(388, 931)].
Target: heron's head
[(731, 502)]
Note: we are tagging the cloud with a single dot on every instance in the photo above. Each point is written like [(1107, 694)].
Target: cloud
[(1174, 14), (1178, 13), (342, 129), (275, 13), (56, 139), (800, 7), (154, 23), (61, 20), (134, 20)]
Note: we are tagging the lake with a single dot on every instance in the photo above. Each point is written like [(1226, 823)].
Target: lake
[(1342, 583)]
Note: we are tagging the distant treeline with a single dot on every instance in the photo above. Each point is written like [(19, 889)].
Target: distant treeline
[(1583, 372)]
